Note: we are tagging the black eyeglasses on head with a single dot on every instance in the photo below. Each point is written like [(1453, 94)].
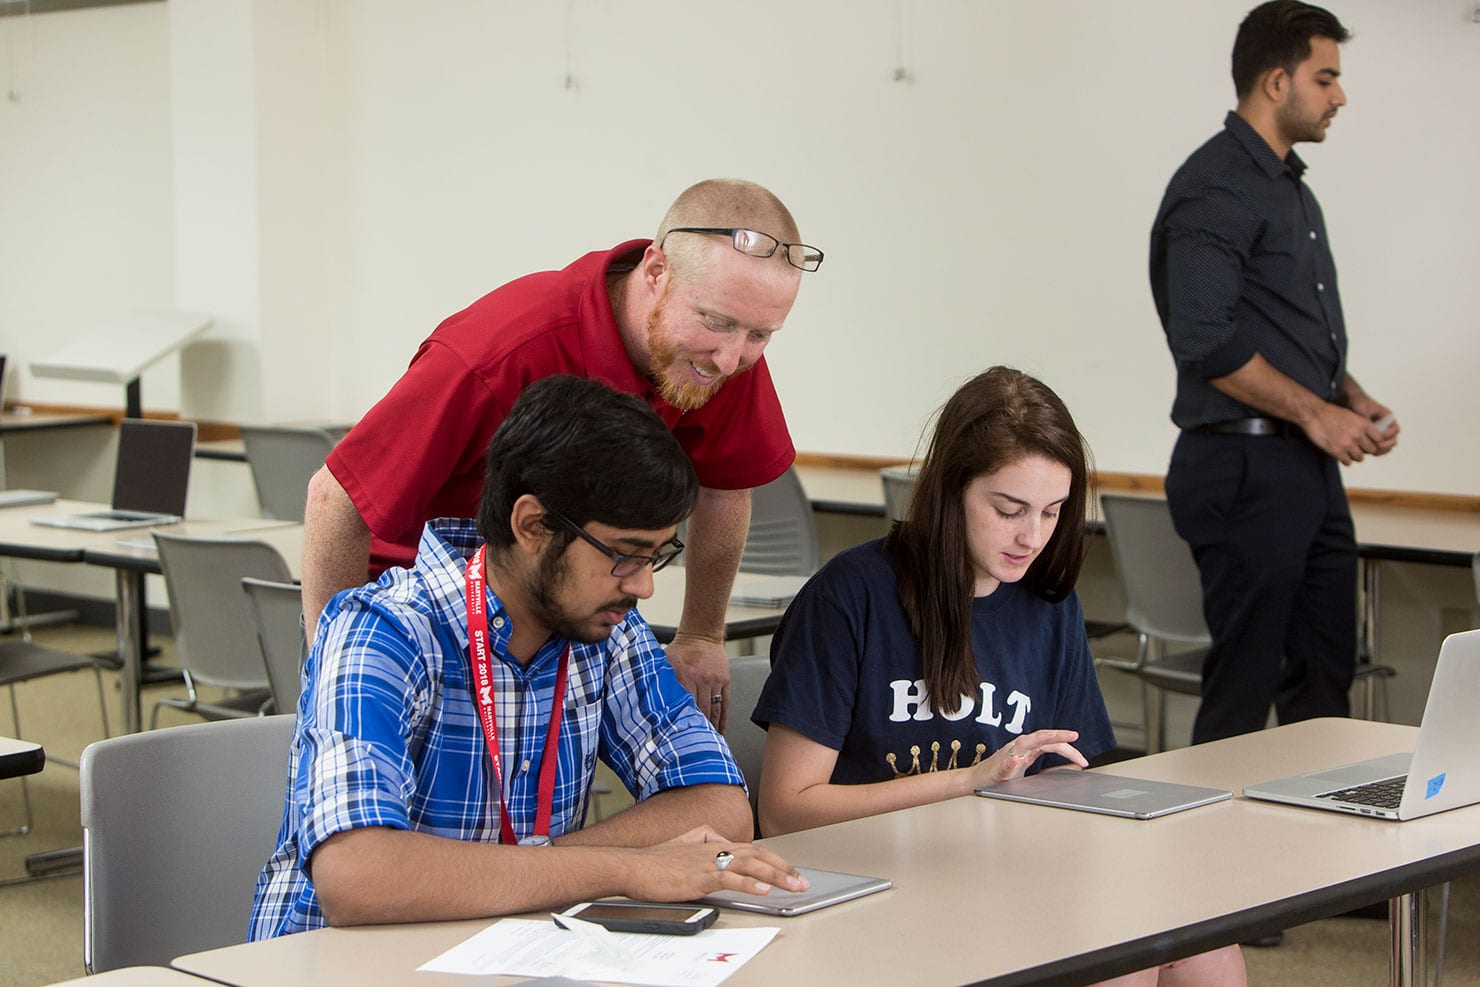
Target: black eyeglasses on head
[(753, 243)]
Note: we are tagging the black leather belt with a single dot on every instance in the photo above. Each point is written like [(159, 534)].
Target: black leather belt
[(1249, 426)]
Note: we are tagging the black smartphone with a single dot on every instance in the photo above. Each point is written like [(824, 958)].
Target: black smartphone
[(638, 916)]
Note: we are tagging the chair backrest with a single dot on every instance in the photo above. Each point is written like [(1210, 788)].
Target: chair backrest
[(277, 612), (283, 458), (747, 741), (782, 538), (1163, 589), (899, 483), (214, 632), (177, 823)]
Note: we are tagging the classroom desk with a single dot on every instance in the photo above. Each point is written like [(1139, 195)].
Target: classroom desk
[(19, 538), (226, 450), (1385, 532), (12, 422), (136, 976), (20, 757), (662, 611), (974, 899)]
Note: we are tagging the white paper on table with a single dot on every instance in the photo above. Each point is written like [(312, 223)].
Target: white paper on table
[(526, 948)]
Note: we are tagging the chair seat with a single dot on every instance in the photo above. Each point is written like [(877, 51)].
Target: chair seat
[(1180, 672), (21, 661), (249, 703)]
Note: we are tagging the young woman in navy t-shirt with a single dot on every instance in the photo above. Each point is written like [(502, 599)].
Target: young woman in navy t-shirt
[(950, 654)]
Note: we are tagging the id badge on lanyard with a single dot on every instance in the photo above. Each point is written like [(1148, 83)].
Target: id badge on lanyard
[(481, 659)]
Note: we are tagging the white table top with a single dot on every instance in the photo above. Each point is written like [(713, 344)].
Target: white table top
[(137, 976), (973, 898), (19, 757)]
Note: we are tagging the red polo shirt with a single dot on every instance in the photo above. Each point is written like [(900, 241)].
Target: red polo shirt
[(419, 453)]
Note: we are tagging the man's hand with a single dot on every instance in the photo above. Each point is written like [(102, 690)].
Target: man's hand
[(1384, 422), (1350, 435), (703, 667), (688, 867)]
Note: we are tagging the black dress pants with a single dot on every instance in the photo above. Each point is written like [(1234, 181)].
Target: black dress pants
[(1267, 519)]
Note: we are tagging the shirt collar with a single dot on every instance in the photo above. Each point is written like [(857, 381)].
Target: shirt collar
[(442, 561), (1260, 151)]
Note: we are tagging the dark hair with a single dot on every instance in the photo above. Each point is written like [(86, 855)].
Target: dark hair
[(589, 452), (994, 420), (1277, 35)]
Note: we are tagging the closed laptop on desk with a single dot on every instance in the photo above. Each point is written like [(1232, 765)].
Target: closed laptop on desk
[(150, 480), (1111, 795), (1443, 772)]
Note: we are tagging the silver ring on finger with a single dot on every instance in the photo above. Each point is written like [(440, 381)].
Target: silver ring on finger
[(723, 859)]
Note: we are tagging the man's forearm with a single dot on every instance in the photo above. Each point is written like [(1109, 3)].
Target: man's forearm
[(1345, 431), (336, 546), (716, 541), (1259, 385), (377, 875), (670, 813)]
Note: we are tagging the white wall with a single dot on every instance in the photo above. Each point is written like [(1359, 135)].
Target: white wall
[(86, 187), (992, 207)]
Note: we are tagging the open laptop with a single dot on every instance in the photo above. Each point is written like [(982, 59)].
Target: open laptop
[(150, 479), (1111, 795), (1441, 772)]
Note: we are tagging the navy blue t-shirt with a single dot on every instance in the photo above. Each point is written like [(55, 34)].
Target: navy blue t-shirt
[(846, 673)]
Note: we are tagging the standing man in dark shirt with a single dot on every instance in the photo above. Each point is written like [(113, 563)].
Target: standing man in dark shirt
[(1245, 286)]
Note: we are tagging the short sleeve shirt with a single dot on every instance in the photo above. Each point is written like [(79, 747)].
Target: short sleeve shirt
[(419, 452), (847, 674)]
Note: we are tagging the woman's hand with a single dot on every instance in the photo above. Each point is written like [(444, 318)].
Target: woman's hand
[(1014, 760)]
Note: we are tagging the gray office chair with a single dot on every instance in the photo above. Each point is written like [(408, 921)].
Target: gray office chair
[(1163, 593), (214, 633), (23, 660), (177, 824), (747, 741), (277, 613), (782, 537), (283, 458), (899, 483)]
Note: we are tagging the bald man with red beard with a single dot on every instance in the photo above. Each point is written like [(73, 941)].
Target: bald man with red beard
[(680, 321)]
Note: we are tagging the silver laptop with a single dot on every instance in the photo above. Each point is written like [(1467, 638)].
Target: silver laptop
[(1112, 795), (773, 593), (1441, 772), (827, 888), (150, 479)]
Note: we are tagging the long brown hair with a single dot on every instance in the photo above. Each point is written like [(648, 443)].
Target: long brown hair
[(992, 421)]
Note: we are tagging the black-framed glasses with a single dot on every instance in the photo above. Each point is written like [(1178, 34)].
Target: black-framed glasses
[(753, 243), (623, 564)]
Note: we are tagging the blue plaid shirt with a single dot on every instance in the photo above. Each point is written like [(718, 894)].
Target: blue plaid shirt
[(388, 734)]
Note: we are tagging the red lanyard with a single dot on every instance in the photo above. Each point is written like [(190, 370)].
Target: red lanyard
[(478, 654)]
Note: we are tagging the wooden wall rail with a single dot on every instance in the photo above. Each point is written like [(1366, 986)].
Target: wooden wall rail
[(1107, 480)]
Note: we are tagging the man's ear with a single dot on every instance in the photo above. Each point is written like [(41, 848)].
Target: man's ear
[(527, 520), (654, 269), (1275, 85)]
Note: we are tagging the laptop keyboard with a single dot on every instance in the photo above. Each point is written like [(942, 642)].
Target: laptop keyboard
[(1384, 794)]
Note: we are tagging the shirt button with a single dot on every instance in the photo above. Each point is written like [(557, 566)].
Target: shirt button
[(498, 623), (1320, 286), (1312, 234), (525, 765)]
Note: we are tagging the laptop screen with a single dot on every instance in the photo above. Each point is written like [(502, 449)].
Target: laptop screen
[(153, 471)]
